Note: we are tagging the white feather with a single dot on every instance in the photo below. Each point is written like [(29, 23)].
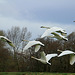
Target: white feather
[(37, 47), (49, 56), (33, 43), (66, 52), (45, 58), (72, 59), (3, 38), (59, 36), (43, 55), (53, 29)]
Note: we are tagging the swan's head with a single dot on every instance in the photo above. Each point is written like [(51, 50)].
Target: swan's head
[(32, 57), (59, 50), (25, 40), (42, 27), (45, 27)]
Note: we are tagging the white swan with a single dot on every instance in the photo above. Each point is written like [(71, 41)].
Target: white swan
[(68, 52), (58, 36), (45, 58), (3, 38), (53, 29), (37, 45)]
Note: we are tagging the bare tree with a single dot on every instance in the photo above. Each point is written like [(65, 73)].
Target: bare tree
[(16, 35)]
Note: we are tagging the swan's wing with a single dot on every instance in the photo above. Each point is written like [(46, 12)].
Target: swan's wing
[(49, 56), (4, 39), (59, 36), (43, 55), (72, 59), (62, 33), (53, 29), (37, 47), (66, 52), (7, 40), (59, 30), (10, 43), (46, 33), (55, 34), (28, 45), (32, 43), (40, 43)]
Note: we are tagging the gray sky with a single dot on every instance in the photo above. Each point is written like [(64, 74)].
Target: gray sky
[(35, 13)]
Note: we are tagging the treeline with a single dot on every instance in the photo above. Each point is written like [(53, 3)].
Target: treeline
[(12, 60)]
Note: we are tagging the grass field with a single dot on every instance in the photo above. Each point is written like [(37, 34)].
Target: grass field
[(34, 73)]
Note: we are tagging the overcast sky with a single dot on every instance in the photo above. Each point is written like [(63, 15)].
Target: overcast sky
[(35, 13)]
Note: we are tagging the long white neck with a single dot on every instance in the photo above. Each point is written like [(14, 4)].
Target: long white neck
[(26, 40), (52, 36), (34, 58), (43, 61), (45, 27)]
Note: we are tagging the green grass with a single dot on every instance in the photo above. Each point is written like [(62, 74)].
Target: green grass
[(34, 73)]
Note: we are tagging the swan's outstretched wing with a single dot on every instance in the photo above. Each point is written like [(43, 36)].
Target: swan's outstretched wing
[(59, 36), (43, 57), (37, 47), (72, 59), (59, 30), (53, 29), (46, 33), (3, 38), (66, 52), (32, 43), (49, 56)]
